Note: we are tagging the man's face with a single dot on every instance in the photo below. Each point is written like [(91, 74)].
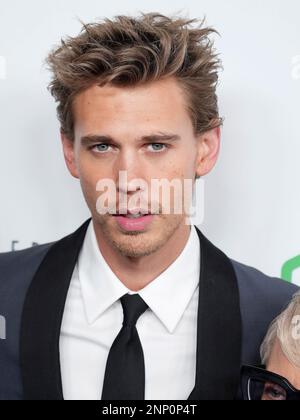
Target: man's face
[(127, 116)]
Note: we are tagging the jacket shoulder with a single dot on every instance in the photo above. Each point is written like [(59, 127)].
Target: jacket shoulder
[(254, 282), (16, 265), (17, 270), (262, 299)]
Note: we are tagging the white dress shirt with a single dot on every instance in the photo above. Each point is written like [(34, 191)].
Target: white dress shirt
[(168, 329)]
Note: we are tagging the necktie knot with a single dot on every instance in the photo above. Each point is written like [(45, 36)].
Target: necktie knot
[(133, 307)]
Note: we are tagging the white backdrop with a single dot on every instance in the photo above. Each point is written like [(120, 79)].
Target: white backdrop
[(252, 200)]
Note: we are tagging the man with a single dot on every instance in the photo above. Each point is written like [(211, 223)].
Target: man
[(280, 354), (136, 304)]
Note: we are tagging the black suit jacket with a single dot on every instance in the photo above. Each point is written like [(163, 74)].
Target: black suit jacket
[(236, 305)]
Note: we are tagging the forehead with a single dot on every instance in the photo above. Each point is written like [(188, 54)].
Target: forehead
[(160, 103)]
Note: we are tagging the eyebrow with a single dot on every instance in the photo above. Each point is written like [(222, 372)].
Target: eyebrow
[(151, 138)]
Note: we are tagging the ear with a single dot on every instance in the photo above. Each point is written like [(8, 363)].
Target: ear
[(69, 154), (208, 151)]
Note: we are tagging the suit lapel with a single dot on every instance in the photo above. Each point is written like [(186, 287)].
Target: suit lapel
[(42, 318), (219, 336)]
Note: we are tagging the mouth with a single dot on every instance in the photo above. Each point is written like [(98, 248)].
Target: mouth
[(133, 214), (134, 220)]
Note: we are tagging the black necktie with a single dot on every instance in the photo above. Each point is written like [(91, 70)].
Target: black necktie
[(125, 369)]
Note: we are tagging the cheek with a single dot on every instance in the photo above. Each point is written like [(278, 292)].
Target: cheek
[(180, 172), (89, 191), (297, 381), (89, 177), (183, 164), (175, 167), (88, 180), (89, 170)]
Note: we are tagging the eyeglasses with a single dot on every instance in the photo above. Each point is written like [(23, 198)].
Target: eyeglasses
[(259, 384)]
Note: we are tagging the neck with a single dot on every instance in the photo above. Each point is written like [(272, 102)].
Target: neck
[(137, 273)]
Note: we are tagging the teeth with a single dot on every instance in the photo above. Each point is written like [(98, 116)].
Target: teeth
[(132, 216)]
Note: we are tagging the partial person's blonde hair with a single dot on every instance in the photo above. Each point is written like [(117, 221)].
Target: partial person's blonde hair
[(285, 328), (128, 51)]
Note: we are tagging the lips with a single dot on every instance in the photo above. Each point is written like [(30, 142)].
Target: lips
[(134, 223), (133, 213), (134, 216)]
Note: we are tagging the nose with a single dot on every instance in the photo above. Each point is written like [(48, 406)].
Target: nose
[(130, 170)]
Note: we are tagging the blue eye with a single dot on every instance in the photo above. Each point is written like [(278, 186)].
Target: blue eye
[(158, 146), (102, 147)]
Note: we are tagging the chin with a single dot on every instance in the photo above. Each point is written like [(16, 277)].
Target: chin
[(137, 244)]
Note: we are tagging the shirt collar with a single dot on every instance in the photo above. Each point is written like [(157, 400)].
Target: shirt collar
[(167, 295)]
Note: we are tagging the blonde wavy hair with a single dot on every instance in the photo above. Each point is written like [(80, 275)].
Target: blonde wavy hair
[(285, 328), (127, 51)]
